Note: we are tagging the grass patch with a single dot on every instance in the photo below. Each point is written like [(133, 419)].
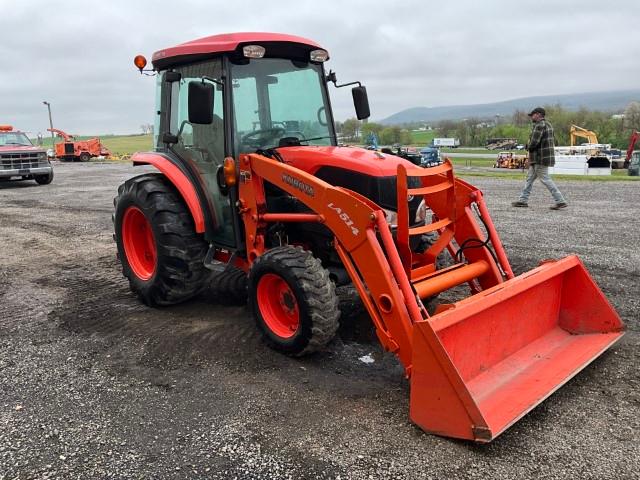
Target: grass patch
[(128, 144), (478, 151), (422, 138), (472, 162)]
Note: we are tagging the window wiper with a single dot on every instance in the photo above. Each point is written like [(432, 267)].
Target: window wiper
[(316, 138), (270, 153)]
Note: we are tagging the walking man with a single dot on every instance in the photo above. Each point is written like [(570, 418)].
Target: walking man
[(541, 157)]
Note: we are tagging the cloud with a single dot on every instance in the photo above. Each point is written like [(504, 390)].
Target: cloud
[(78, 55)]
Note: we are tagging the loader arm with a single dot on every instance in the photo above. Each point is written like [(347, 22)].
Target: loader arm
[(387, 285), (354, 221)]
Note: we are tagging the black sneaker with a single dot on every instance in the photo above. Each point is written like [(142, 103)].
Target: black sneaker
[(559, 206), (520, 204)]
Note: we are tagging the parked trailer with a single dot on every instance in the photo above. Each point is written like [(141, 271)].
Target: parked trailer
[(445, 142)]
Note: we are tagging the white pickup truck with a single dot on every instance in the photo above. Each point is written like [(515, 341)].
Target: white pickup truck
[(21, 160)]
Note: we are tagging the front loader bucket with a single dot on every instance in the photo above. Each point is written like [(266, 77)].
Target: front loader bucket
[(481, 365)]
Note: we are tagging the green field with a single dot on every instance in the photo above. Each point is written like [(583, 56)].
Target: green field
[(472, 161), (128, 144), (477, 150), (422, 138)]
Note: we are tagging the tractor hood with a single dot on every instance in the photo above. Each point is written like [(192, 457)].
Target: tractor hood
[(367, 162)]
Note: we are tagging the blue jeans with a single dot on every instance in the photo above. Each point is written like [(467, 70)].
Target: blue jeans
[(541, 172)]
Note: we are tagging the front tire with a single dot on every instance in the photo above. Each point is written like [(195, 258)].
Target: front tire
[(84, 157), (293, 300), (162, 256), (44, 179)]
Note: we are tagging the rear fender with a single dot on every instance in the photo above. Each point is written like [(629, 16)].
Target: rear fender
[(179, 180)]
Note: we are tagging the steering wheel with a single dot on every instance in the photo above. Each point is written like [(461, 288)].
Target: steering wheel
[(319, 114), (262, 136)]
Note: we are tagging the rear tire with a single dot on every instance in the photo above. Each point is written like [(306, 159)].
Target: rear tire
[(44, 179), (229, 287), (84, 157), (162, 256), (293, 300)]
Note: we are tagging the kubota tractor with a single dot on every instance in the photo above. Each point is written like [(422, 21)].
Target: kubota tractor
[(250, 177)]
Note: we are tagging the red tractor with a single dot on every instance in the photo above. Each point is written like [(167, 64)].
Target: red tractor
[(73, 150), (251, 180)]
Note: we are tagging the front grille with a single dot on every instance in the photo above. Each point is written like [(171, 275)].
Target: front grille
[(20, 161)]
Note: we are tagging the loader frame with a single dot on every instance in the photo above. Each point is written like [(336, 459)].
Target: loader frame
[(361, 233), (455, 390)]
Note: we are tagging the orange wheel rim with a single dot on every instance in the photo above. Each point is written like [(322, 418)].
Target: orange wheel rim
[(278, 305), (139, 243)]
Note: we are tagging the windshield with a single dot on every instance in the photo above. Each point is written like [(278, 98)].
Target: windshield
[(279, 102), (14, 138)]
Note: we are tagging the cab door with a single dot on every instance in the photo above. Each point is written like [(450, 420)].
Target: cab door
[(202, 146)]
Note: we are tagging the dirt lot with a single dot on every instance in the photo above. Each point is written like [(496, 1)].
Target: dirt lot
[(95, 385)]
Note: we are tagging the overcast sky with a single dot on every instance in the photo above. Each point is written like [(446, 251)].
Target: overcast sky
[(78, 54)]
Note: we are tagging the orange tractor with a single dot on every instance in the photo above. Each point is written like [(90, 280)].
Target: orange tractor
[(251, 180), (73, 150)]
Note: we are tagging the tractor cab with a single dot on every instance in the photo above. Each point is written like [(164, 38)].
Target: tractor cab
[(227, 95)]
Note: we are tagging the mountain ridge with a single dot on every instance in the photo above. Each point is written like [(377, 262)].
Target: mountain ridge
[(612, 101)]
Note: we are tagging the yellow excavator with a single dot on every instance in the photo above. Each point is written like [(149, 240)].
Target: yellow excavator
[(579, 132)]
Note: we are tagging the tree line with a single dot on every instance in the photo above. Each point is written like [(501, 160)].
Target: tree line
[(474, 132), (353, 130)]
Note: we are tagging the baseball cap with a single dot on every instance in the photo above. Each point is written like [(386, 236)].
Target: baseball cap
[(539, 110)]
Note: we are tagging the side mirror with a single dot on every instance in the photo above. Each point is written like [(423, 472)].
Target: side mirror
[(361, 102), (200, 103)]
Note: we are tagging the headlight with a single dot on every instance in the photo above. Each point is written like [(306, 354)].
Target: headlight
[(319, 55), (253, 51), (50, 153)]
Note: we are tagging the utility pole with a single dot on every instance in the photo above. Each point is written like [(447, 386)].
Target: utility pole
[(53, 135)]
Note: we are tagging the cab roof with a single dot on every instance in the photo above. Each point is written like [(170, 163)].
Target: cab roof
[(229, 42)]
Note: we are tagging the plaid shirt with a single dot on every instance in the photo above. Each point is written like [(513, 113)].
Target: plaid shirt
[(541, 144)]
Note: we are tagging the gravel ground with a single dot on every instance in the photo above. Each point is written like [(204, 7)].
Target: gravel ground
[(95, 385)]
